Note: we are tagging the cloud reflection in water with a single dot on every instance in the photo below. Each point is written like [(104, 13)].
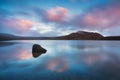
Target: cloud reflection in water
[(78, 60)]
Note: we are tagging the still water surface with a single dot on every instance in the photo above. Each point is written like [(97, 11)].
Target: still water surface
[(64, 60)]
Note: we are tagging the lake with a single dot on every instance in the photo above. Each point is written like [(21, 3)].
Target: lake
[(64, 60)]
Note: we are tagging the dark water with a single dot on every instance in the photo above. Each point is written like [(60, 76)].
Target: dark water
[(64, 60)]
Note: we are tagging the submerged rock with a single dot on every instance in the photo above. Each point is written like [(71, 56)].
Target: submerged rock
[(37, 50)]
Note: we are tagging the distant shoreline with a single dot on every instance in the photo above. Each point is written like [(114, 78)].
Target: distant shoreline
[(37, 38), (80, 35)]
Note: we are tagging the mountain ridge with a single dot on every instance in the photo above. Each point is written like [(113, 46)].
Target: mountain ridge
[(80, 35)]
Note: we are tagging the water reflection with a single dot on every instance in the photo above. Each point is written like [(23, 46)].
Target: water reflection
[(4, 44), (64, 60)]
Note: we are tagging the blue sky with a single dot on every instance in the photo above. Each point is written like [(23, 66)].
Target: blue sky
[(59, 17)]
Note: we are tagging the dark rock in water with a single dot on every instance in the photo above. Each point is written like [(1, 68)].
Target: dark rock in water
[(37, 50)]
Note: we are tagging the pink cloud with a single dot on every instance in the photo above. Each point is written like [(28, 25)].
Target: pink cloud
[(98, 19), (17, 24), (57, 14), (20, 24), (109, 17)]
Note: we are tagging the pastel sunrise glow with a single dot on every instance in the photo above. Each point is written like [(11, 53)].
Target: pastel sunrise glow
[(59, 17)]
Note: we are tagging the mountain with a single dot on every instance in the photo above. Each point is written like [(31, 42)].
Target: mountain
[(6, 36), (83, 35), (80, 35)]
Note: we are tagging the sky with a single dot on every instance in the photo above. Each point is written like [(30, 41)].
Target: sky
[(59, 17)]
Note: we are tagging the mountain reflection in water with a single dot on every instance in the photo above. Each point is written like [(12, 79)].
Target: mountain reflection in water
[(64, 60)]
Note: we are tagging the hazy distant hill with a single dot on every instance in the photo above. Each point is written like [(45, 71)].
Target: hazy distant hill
[(5, 36), (80, 35)]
